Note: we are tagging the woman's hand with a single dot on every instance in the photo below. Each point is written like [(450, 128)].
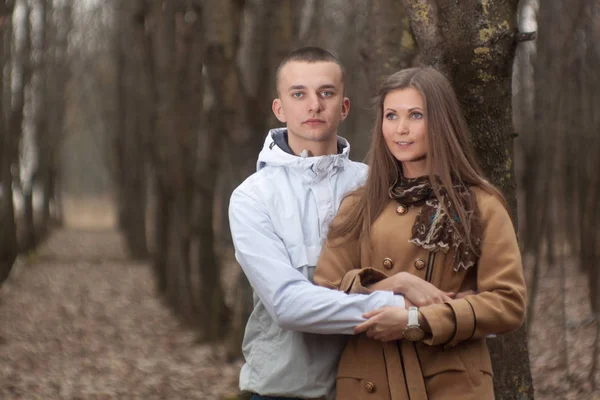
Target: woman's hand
[(418, 291), (384, 324)]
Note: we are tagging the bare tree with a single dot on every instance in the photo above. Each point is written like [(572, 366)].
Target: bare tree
[(184, 148), (8, 234), (389, 44), (129, 149), (41, 142), (562, 149), (257, 58), (473, 43), (59, 74)]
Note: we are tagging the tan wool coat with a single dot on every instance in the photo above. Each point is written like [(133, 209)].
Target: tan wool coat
[(453, 362)]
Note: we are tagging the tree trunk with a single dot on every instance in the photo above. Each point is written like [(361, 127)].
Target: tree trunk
[(130, 153), (30, 156), (38, 145), (473, 44), (45, 171), (258, 59), (185, 157), (389, 45), (8, 232)]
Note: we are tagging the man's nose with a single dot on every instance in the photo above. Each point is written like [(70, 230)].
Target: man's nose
[(314, 103)]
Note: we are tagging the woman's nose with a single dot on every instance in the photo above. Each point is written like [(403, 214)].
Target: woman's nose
[(402, 127)]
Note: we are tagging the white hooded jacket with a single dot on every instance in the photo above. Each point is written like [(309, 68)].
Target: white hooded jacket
[(279, 219)]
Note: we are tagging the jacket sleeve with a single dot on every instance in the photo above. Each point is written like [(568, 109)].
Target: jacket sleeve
[(291, 300), (499, 306), (339, 266)]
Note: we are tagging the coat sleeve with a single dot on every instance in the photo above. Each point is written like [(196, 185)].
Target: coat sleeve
[(499, 306), (291, 300), (339, 266)]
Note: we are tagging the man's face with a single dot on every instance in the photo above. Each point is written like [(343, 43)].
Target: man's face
[(311, 100)]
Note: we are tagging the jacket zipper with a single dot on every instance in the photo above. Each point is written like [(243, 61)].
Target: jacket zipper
[(429, 270)]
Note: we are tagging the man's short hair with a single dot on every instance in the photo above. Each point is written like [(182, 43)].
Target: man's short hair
[(309, 54)]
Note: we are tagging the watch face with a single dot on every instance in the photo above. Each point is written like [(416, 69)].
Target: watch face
[(413, 333)]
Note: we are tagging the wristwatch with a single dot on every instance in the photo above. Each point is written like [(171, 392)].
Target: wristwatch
[(413, 330)]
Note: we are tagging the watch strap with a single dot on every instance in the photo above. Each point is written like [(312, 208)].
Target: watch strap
[(413, 316)]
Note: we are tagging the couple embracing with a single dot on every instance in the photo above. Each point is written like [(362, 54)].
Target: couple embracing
[(378, 282)]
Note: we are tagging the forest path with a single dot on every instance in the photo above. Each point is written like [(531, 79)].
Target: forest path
[(562, 335), (79, 320)]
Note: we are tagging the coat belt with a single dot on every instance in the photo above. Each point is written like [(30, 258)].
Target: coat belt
[(409, 383)]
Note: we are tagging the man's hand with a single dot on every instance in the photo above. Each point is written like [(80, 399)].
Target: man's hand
[(384, 324), (387, 323)]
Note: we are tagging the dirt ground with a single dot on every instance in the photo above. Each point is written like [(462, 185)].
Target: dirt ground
[(562, 335), (78, 320)]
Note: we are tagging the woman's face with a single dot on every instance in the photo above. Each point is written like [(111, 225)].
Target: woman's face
[(405, 130)]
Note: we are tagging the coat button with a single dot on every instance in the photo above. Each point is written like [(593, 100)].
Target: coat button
[(370, 386), (401, 209), (419, 263), (388, 263)]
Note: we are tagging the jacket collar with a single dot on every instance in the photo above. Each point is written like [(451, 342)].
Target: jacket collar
[(273, 155)]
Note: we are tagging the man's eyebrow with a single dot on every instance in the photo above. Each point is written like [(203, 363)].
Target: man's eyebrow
[(327, 86), (302, 87)]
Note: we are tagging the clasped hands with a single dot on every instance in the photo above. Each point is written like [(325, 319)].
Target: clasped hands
[(387, 323)]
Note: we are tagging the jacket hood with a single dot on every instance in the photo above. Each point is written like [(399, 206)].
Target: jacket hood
[(273, 155)]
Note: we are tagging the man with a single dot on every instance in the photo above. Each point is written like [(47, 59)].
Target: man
[(279, 219)]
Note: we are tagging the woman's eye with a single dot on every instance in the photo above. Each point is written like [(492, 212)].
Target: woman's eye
[(416, 115), (390, 116)]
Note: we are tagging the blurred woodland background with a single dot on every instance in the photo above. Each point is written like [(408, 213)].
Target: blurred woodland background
[(142, 116)]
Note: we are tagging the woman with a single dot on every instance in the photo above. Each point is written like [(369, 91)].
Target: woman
[(425, 210)]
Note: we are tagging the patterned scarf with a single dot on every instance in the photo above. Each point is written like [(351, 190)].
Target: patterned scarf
[(433, 228)]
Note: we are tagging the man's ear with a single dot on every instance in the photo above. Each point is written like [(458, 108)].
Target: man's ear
[(345, 108), (278, 110)]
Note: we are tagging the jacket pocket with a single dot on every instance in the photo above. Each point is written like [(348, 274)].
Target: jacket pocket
[(435, 360), (362, 375), (470, 357), (476, 358), (351, 386)]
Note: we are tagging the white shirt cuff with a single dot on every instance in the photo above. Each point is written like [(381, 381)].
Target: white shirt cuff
[(399, 301)]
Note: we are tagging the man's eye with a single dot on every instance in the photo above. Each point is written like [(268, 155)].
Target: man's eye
[(327, 93), (297, 95)]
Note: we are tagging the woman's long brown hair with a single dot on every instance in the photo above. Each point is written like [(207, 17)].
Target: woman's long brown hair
[(450, 156)]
